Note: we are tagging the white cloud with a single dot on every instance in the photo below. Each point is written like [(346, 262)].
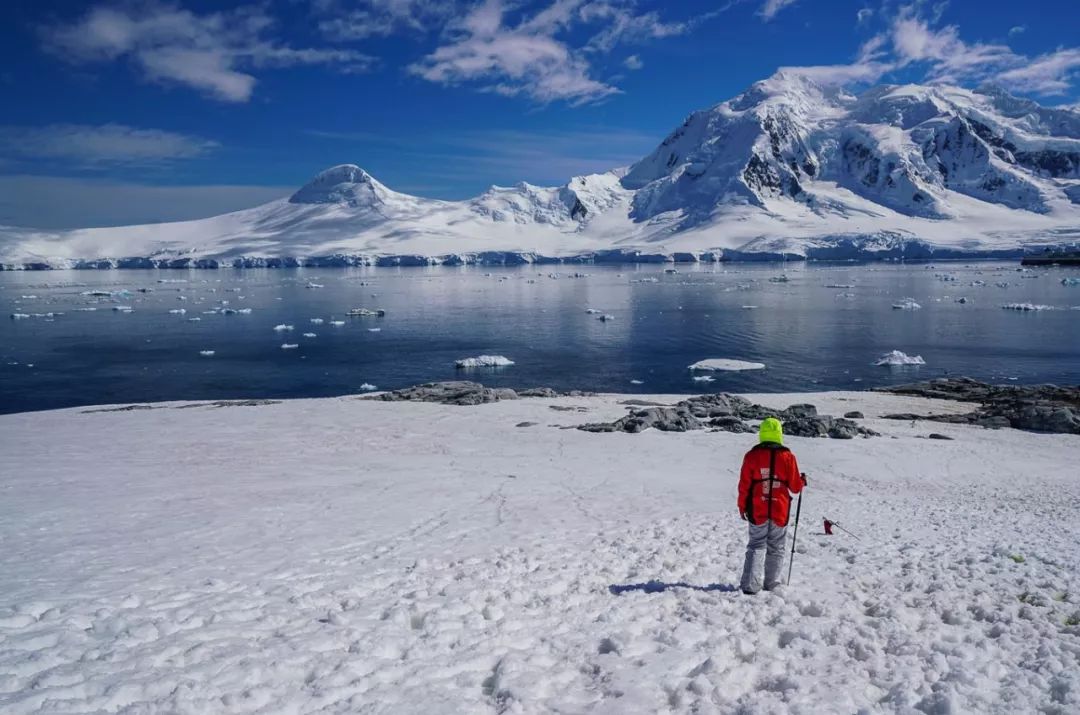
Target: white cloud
[(532, 56), (871, 65), (62, 202), (771, 7), (1018, 30), (633, 62), (214, 52), (110, 144), (1050, 74), (864, 15), (345, 20), (951, 59)]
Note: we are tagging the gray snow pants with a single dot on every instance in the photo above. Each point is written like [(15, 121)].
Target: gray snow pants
[(766, 540)]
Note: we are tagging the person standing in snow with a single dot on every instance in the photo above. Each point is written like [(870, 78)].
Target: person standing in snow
[(769, 476)]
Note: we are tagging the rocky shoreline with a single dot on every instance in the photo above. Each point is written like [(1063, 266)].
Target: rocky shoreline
[(1034, 408)]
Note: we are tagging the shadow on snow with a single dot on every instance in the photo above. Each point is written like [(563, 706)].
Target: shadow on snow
[(660, 587)]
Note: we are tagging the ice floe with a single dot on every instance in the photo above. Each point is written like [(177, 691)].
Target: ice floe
[(337, 323), (206, 353), (309, 335), (283, 328), (1026, 307), (289, 346), (896, 358), (368, 387), (726, 364), (316, 321), (484, 361), (906, 304), (703, 378)]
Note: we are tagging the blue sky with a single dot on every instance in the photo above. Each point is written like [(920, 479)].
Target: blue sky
[(135, 110)]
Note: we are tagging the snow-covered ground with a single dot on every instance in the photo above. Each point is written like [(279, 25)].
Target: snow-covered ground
[(339, 555)]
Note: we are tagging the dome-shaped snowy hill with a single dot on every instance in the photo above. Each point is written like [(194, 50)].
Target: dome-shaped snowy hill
[(789, 167)]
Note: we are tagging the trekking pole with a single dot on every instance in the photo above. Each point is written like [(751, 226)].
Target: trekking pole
[(837, 525), (794, 535)]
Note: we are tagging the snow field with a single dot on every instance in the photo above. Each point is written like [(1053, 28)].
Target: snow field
[(357, 556)]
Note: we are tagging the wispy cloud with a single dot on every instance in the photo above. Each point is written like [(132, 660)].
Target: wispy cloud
[(915, 43), (1051, 74), (633, 62), (214, 52), (772, 7), (533, 56), (347, 20), (99, 146)]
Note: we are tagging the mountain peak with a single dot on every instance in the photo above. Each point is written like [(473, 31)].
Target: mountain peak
[(341, 184)]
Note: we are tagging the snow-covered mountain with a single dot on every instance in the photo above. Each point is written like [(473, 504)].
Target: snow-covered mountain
[(788, 167)]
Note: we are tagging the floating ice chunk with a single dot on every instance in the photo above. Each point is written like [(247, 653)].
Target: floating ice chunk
[(316, 321), (368, 387), (337, 323), (725, 364), (484, 361), (98, 293), (34, 297), (906, 304), (283, 328), (19, 316), (122, 308), (206, 353), (196, 319), (637, 382), (1025, 307), (365, 313), (703, 378), (842, 286), (178, 311), (605, 318), (309, 335), (85, 310), (749, 307), (1002, 284), (1064, 282), (963, 300), (289, 346), (899, 358), (592, 311), (314, 285), (244, 311), (374, 330)]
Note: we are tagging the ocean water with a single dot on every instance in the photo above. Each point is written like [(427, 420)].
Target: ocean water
[(815, 327)]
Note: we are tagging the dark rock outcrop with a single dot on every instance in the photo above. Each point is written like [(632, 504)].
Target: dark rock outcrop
[(464, 392), (730, 413), (1036, 408)]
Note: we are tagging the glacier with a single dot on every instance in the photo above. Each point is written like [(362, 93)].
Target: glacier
[(788, 169)]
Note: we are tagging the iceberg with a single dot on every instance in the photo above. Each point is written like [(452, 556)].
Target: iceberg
[(368, 387), (483, 361), (726, 364), (897, 358)]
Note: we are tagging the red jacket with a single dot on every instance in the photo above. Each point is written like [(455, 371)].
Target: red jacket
[(769, 473)]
